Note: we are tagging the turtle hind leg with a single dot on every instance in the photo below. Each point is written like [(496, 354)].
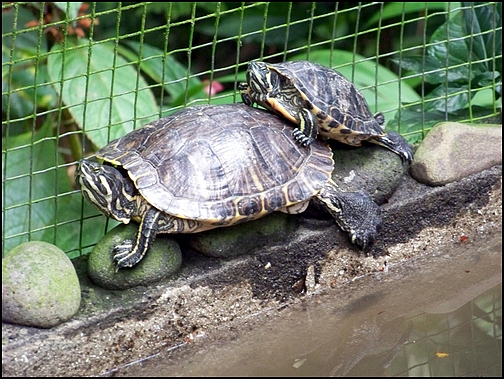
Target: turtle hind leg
[(396, 143), (307, 130), (354, 212)]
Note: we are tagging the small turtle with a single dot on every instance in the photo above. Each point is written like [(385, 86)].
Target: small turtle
[(208, 166), (319, 100)]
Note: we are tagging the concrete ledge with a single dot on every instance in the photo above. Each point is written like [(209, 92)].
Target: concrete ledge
[(114, 328)]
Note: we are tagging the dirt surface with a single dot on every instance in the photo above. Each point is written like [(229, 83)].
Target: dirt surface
[(115, 328)]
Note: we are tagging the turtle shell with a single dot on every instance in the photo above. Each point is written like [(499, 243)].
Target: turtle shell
[(220, 164), (337, 104)]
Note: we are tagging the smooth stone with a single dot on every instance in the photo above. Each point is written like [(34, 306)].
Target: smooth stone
[(39, 286), (452, 151), (370, 168), (162, 260), (240, 239)]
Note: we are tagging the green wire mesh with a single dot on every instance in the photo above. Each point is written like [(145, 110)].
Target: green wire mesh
[(77, 75)]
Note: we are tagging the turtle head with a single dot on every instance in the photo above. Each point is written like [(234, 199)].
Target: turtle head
[(262, 81), (108, 189)]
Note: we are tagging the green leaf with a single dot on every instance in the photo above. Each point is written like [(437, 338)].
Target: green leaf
[(447, 99), (398, 9), (164, 69), (38, 195), (452, 46), (181, 9), (415, 122), (26, 41), (480, 19), (35, 93), (487, 79), (431, 69), (101, 89), (418, 63)]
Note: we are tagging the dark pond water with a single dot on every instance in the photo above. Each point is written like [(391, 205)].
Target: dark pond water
[(440, 316)]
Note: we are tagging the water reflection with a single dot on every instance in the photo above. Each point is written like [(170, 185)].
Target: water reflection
[(438, 317), (464, 342)]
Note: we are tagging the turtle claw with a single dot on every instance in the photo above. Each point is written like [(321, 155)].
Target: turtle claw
[(301, 138), (364, 238), (123, 255), (354, 212), (398, 144), (365, 226)]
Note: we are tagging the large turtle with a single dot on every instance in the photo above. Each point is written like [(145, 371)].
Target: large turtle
[(319, 100), (211, 166)]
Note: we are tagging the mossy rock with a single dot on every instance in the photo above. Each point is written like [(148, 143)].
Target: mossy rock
[(162, 260), (240, 239), (39, 286)]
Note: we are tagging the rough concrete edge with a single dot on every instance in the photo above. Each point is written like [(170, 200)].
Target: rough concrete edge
[(224, 292)]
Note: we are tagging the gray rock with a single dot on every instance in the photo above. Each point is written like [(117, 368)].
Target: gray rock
[(370, 168), (452, 151), (163, 259), (39, 286)]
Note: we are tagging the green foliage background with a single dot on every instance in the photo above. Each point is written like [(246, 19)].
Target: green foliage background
[(78, 75)]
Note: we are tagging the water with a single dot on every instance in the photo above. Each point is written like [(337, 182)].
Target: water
[(439, 316)]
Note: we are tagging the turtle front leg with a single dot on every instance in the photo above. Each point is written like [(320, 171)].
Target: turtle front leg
[(354, 212), (307, 130), (243, 88), (129, 253)]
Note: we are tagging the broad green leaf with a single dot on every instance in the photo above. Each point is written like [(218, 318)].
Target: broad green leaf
[(480, 19), (398, 9), (447, 99), (25, 42), (19, 57), (28, 92), (101, 90), (451, 46), (431, 69), (418, 63), (486, 98), (487, 78), (164, 69), (38, 196), (464, 53), (181, 9), (416, 121), (252, 29)]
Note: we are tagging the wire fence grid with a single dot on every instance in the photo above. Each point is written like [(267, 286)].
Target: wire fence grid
[(77, 75)]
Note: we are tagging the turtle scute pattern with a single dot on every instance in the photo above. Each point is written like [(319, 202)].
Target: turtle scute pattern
[(210, 166), (214, 169), (319, 100), (339, 102)]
